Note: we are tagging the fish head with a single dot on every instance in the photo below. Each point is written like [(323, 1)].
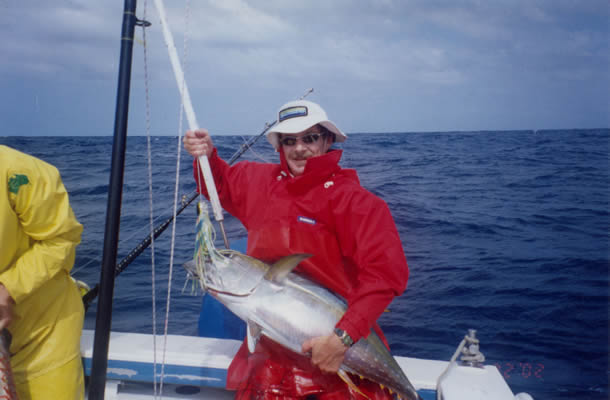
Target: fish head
[(237, 274), (228, 272)]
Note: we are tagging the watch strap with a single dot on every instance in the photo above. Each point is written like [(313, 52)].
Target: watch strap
[(345, 338)]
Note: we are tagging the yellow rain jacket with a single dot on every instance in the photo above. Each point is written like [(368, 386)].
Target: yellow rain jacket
[(38, 237)]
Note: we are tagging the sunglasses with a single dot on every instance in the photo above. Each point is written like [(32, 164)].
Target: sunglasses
[(307, 139)]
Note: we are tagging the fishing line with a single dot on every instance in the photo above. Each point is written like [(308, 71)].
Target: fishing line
[(173, 240), (150, 202), (251, 148)]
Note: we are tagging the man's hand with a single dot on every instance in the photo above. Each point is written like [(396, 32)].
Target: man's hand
[(6, 307), (327, 352), (198, 143)]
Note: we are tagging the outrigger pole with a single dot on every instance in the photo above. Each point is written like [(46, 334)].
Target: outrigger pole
[(203, 162), (99, 362)]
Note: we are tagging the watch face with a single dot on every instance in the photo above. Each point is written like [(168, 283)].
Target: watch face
[(344, 337)]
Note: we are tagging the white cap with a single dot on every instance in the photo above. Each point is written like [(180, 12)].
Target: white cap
[(299, 115)]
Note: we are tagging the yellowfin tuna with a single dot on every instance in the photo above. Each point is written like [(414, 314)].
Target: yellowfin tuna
[(286, 307)]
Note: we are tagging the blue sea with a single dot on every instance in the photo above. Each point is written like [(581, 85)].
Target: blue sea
[(505, 232)]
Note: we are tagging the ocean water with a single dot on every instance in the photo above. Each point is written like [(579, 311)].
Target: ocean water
[(504, 232)]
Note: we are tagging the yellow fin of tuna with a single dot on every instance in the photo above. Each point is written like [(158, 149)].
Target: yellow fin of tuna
[(284, 266), (345, 378)]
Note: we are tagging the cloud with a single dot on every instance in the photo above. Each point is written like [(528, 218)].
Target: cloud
[(361, 40), (442, 53), (50, 39)]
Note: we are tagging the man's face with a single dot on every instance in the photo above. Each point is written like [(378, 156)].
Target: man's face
[(303, 145)]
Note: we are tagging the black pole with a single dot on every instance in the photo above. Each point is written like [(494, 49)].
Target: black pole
[(97, 381)]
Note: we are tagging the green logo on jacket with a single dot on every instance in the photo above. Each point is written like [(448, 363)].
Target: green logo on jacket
[(16, 181)]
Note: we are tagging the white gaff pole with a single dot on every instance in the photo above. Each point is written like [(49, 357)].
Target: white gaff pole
[(190, 115)]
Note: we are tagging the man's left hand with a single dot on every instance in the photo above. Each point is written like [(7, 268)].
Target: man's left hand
[(327, 352)]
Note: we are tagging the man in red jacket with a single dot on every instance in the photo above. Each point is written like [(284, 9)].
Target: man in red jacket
[(309, 204)]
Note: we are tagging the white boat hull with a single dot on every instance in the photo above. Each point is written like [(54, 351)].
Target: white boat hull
[(195, 368)]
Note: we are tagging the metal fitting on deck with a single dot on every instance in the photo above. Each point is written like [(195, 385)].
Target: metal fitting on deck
[(471, 355)]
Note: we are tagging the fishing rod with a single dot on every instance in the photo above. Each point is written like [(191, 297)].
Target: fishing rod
[(136, 251)]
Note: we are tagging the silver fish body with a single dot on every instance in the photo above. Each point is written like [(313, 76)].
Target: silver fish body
[(289, 309)]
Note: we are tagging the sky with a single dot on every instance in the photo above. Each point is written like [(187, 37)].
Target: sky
[(374, 65)]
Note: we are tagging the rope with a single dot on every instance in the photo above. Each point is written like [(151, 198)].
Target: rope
[(150, 201), (177, 186)]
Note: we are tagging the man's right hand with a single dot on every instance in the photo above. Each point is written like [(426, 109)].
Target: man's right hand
[(198, 143), (6, 307)]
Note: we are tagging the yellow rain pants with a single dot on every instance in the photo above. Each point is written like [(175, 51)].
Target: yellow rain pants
[(65, 382), (38, 237)]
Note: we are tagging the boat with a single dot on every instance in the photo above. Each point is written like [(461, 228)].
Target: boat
[(123, 365)]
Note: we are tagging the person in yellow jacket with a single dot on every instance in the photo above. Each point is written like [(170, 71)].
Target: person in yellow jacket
[(40, 304)]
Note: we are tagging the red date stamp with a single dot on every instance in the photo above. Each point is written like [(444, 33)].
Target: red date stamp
[(525, 370)]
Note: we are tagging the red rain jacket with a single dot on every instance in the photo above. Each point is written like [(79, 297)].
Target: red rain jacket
[(325, 212)]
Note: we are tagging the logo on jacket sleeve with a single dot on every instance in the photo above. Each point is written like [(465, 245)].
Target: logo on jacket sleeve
[(16, 181), (309, 221)]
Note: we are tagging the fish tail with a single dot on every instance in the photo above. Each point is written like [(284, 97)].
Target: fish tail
[(7, 389)]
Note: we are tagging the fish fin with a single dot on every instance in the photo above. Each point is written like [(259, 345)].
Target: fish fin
[(348, 381), (254, 333), (279, 270)]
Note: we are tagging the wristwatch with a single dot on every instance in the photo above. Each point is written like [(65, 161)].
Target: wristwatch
[(344, 337)]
